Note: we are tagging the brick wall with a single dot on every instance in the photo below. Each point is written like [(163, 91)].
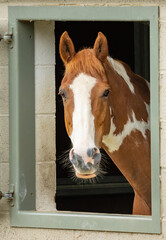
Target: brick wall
[(45, 114), (45, 111)]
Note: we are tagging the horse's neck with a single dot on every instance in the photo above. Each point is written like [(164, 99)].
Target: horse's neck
[(121, 90), (127, 142), (129, 97)]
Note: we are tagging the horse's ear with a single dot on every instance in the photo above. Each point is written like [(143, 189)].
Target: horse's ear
[(101, 47), (66, 48)]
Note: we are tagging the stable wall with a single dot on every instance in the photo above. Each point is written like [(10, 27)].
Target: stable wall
[(45, 133)]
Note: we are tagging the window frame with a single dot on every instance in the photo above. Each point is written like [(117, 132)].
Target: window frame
[(22, 119)]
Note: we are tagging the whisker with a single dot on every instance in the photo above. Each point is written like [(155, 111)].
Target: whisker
[(73, 178), (63, 154), (63, 159)]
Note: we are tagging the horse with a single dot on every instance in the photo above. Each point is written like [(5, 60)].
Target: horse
[(107, 105)]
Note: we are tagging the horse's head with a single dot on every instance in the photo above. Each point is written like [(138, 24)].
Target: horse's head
[(85, 93)]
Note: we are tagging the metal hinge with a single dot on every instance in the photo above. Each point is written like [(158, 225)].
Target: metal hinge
[(9, 196), (7, 37)]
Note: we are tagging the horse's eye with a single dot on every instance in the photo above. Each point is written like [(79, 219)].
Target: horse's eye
[(62, 93), (105, 93)]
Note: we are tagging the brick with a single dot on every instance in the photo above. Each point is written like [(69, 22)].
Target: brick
[(163, 143), (45, 186), (163, 96), (45, 89), (45, 138), (163, 193), (163, 225), (44, 43), (4, 139), (4, 93), (3, 11), (162, 46), (163, 13)]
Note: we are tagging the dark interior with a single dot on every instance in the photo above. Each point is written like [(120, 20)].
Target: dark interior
[(129, 42)]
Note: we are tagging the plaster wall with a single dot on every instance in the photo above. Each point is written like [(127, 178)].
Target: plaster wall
[(45, 133)]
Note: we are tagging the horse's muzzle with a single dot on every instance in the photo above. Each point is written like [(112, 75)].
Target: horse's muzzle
[(86, 165)]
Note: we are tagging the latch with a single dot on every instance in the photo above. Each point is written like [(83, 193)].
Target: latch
[(9, 196)]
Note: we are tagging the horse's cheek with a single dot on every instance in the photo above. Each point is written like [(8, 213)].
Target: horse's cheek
[(107, 122), (68, 122), (99, 130)]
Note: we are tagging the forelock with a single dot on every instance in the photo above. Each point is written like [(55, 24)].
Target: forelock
[(86, 62)]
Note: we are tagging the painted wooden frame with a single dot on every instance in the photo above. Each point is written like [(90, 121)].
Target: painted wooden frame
[(22, 119)]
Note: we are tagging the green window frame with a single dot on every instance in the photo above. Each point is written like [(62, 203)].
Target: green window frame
[(22, 119)]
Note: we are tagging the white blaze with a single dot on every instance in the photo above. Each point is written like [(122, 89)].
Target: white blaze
[(83, 133)]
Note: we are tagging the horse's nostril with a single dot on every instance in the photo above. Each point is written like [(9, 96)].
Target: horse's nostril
[(91, 152), (80, 162), (95, 149)]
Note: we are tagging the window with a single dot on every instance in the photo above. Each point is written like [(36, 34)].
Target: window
[(111, 193), (22, 120)]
